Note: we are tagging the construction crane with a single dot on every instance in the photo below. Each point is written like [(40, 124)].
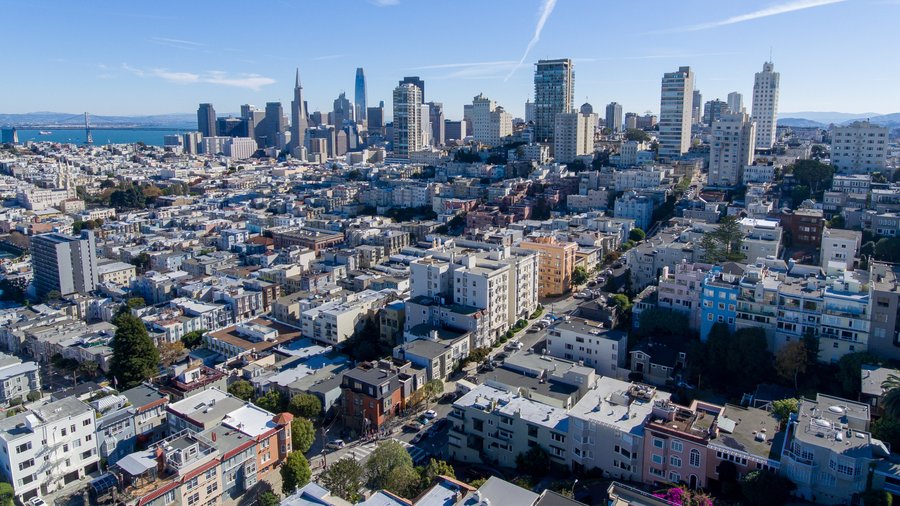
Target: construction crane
[(88, 138)]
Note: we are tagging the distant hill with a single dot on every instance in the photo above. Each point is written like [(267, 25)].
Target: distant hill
[(823, 119), (62, 119), (800, 122), (828, 117)]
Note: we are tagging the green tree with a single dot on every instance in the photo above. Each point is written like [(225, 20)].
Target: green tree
[(783, 408), (241, 389), (403, 481), (7, 494), (579, 276), (534, 462), (52, 295), (763, 488), (88, 368), (33, 395), (620, 301), (743, 350), (136, 303), (800, 193), (271, 401), (888, 249), (268, 498), (142, 262), (637, 235), (305, 405), (135, 358), (664, 325), (636, 134), (813, 173), (723, 243), (295, 473), (303, 434), (890, 401), (171, 353), (433, 469), (887, 429), (791, 361), (193, 339), (848, 373), (433, 388), (344, 479), (389, 455)]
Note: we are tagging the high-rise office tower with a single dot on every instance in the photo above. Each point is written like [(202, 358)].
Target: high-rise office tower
[(436, 116), (206, 120), (675, 112), (231, 127), (425, 124), (490, 123), (342, 111), (574, 134), (253, 117), (554, 89), (697, 108), (359, 96), (407, 120), (529, 111), (418, 83), (375, 119), (614, 117), (735, 103), (630, 120), (9, 135), (190, 142), (64, 263), (765, 105), (731, 148), (299, 119), (272, 125), (713, 110)]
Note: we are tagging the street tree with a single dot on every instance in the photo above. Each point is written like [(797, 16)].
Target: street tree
[(7, 494), (579, 276), (135, 357), (305, 405), (383, 460), (433, 388), (303, 434), (268, 498), (295, 473), (403, 481), (791, 361), (344, 479), (242, 389), (637, 235), (169, 353), (271, 401)]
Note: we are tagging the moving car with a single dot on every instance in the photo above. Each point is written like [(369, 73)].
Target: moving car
[(337, 444), (430, 414)]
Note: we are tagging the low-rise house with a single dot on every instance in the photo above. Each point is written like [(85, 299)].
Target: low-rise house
[(374, 394)]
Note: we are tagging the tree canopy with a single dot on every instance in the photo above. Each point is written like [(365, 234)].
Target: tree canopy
[(305, 405), (637, 235), (580, 276), (813, 174), (135, 358), (888, 249), (723, 243), (242, 389), (344, 479), (783, 408), (791, 361), (271, 401), (193, 339), (295, 473), (303, 434), (636, 134), (387, 456), (735, 362)]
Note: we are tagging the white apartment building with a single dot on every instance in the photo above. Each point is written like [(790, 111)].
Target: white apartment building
[(588, 342), (765, 105), (636, 207), (762, 238), (429, 277), (490, 123), (17, 378), (606, 428), (859, 148), (856, 186), (846, 315), (47, 448), (757, 301), (573, 136), (484, 285), (633, 153), (731, 148), (335, 322), (214, 145), (676, 100), (240, 148), (679, 290), (631, 179), (758, 174), (840, 246)]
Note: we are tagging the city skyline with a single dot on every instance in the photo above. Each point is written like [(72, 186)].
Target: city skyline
[(174, 64)]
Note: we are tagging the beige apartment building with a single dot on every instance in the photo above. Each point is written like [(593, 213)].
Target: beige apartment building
[(557, 259)]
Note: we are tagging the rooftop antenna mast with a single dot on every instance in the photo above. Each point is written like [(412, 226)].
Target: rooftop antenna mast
[(88, 138)]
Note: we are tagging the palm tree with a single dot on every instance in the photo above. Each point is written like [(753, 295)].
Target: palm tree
[(891, 398)]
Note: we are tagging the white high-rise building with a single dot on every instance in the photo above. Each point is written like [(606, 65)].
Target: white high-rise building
[(730, 149), (735, 102), (765, 105), (859, 148), (407, 120), (574, 135), (490, 122), (675, 109)]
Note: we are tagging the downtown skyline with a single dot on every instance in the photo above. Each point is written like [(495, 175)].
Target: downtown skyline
[(173, 64)]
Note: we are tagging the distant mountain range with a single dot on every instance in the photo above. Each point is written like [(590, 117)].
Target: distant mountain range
[(823, 119)]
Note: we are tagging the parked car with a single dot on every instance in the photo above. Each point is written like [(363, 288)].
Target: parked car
[(430, 414), (36, 501), (514, 345), (411, 427), (337, 444), (419, 437)]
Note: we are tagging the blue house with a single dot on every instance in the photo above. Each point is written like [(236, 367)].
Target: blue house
[(718, 298)]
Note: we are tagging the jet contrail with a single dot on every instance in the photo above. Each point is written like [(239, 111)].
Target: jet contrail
[(546, 9)]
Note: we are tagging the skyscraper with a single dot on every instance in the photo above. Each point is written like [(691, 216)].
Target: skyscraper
[(436, 116), (529, 110), (713, 110), (253, 117), (614, 117), (697, 108), (375, 119), (359, 96), (64, 263), (765, 105), (342, 111), (299, 119), (675, 110), (574, 134), (554, 89), (407, 120), (206, 120), (272, 124), (735, 102), (418, 83), (490, 123), (731, 148)]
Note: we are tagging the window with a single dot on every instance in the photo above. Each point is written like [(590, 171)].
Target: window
[(695, 458), (193, 498), (658, 443), (192, 483), (675, 461), (674, 477), (23, 447), (677, 446), (26, 464), (657, 459)]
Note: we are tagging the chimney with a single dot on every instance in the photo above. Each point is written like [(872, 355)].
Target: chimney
[(213, 437), (160, 460)]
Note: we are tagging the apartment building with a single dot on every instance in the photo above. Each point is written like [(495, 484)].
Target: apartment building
[(757, 301), (636, 207), (606, 428), (762, 239), (588, 342), (884, 331), (493, 425), (859, 148), (718, 298), (679, 290), (117, 273), (632, 179), (828, 449), (555, 263), (374, 394), (48, 448), (840, 246), (335, 322), (844, 324), (17, 379)]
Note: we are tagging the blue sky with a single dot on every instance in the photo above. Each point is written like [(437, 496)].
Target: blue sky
[(129, 57)]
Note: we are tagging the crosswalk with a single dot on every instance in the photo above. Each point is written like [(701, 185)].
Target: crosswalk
[(362, 452)]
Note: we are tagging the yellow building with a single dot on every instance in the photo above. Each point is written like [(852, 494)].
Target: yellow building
[(555, 265)]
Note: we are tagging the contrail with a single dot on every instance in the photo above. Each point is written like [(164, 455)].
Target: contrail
[(792, 6), (546, 10)]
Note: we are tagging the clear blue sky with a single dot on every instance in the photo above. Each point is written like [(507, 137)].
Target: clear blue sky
[(165, 56)]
